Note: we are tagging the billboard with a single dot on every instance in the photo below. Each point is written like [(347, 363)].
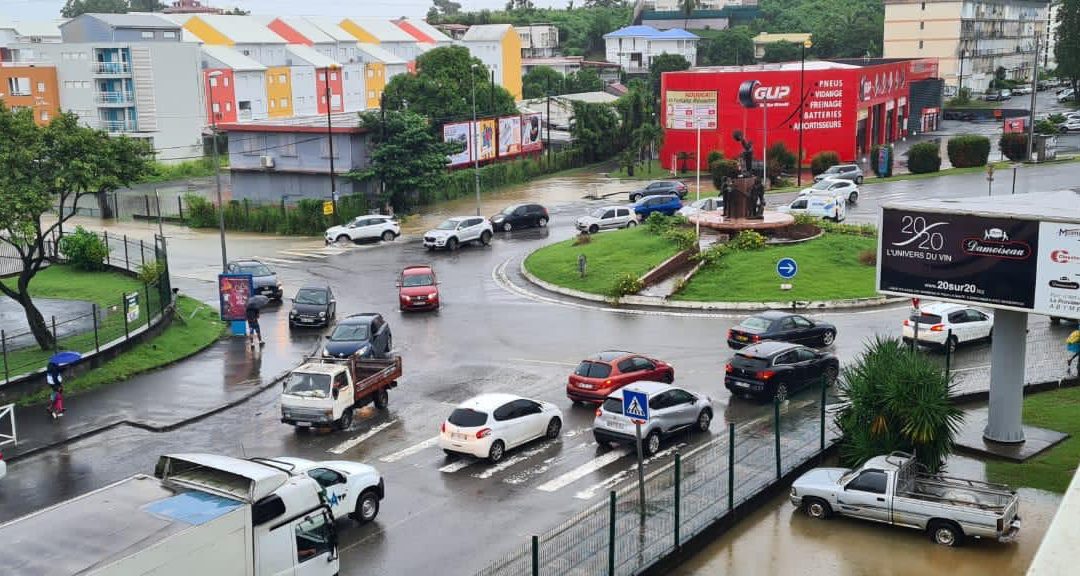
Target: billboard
[(1057, 281), (509, 136), (459, 133), (531, 133), (233, 293), (684, 108), (485, 133)]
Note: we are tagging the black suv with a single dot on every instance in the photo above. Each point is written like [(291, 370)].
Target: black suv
[(662, 187), (773, 370), (520, 216)]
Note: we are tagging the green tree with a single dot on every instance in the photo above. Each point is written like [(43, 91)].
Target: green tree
[(1067, 42), (442, 88), (687, 8), (53, 167), (584, 80), (728, 47), (539, 80), (593, 128), (665, 63), (841, 28), (444, 8), (237, 11), (408, 158), (145, 6), (894, 398), (74, 8), (781, 52), (581, 29)]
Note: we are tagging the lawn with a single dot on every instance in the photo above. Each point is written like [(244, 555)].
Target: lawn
[(829, 269), (1052, 470), (658, 172), (633, 251)]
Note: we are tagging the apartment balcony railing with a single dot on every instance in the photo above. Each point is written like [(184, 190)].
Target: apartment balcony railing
[(116, 126), (124, 97), (112, 68)]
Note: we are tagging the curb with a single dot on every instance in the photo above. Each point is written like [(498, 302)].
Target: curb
[(657, 302)]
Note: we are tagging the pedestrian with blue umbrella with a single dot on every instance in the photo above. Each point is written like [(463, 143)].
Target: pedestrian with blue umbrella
[(54, 376)]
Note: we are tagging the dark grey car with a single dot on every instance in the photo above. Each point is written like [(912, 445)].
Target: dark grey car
[(842, 172), (264, 280), (661, 188), (365, 334), (313, 306)]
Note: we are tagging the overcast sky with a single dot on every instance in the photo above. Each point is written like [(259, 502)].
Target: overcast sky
[(49, 9)]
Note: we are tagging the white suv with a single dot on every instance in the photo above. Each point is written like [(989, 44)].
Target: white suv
[(945, 326), (374, 227), (459, 230), (835, 186), (607, 218), (671, 410)]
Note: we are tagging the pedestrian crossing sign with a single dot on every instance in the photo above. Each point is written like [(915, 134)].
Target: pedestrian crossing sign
[(636, 405)]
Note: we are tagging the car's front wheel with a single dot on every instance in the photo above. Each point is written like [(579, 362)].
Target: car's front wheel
[(704, 420), (853, 198), (594, 229), (343, 239), (828, 338), (345, 422), (367, 507), (817, 508), (542, 222), (452, 244), (507, 227), (651, 445)]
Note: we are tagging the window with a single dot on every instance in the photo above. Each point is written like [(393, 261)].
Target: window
[(225, 81), (922, 25), (873, 481), (288, 145), (505, 412), (314, 537), (148, 35), (958, 317), (326, 477), (228, 106), (627, 366), (786, 358), (924, 5), (976, 316), (589, 369), (920, 44), (41, 87), (799, 204), (526, 408), (643, 364), (271, 104), (333, 76), (168, 34), (371, 94), (608, 214), (370, 73), (467, 418), (44, 116), (801, 322), (805, 355), (18, 86), (681, 397), (661, 401), (284, 103), (281, 79), (787, 324), (215, 108), (213, 82)]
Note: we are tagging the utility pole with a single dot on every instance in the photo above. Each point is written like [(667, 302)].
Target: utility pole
[(476, 139), (548, 144), (217, 166), (330, 141), (1031, 117), (802, 101)]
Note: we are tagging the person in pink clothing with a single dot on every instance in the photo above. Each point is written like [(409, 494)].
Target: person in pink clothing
[(56, 383)]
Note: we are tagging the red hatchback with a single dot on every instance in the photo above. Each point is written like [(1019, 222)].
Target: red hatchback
[(418, 289), (606, 372)]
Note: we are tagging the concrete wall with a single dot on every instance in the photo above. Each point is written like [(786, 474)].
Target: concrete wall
[(268, 187), (353, 82), (251, 88), (42, 95), (301, 164), (305, 99)]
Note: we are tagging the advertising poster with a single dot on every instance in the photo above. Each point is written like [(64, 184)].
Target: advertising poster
[(531, 133), (459, 133), (509, 136), (683, 108), (486, 135), (131, 305), (959, 257), (1057, 288), (233, 293)]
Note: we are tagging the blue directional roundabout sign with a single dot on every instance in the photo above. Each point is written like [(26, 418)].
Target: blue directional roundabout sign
[(787, 268)]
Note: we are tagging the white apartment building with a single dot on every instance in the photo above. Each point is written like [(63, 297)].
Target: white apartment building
[(634, 47), (538, 40)]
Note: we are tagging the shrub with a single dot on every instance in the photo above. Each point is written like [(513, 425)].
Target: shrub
[(714, 254), (924, 158), (748, 240), (822, 161), (1056, 118), (714, 156), (1046, 127), (785, 159), (806, 220), (151, 272), (968, 150), (582, 238), (625, 284), (84, 249), (868, 230), (683, 238), (722, 169), (1014, 146), (868, 257), (305, 218)]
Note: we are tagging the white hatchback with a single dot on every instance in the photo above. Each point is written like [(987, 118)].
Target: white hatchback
[(488, 425), (607, 218), (836, 186), (945, 326)]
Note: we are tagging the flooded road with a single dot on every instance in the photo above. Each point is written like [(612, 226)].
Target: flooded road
[(778, 540)]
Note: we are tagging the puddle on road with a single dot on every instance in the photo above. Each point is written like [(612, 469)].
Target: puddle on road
[(778, 540)]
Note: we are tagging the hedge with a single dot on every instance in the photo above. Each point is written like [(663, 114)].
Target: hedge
[(462, 182), (304, 219), (822, 161), (924, 158), (968, 150), (1014, 145)]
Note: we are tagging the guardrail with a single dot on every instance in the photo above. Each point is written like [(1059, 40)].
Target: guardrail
[(107, 68)]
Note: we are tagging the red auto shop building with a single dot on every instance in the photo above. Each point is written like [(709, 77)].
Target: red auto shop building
[(848, 107)]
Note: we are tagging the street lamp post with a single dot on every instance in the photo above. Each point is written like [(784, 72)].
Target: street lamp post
[(476, 139), (802, 101), (960, 82), (217, 166), (697, 160), (330, 140)]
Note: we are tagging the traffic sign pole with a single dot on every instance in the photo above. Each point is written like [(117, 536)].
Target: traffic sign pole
[(640, 471)]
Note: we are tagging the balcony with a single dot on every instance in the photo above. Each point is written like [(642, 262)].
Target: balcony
[(117, 126), (112, 68), (115, 98)]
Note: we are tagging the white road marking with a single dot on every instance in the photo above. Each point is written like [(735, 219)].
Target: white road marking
[(615, 479), (460, 463), (350, 443), (410, 450), (279, 260), (582, 471), (515, 459), (300, 254), (983, 367), (545, 465)]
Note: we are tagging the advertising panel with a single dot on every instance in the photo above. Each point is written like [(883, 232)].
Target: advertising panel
[(233, 293), (1057, 288), (531, 135), (959, 257), (685, 109), (509, 136), (459, 133), (486, 136)]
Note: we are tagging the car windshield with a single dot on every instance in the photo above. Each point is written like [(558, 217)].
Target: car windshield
[(418, 280), (448, 225), (508, 210), (755, 323), (599, 212), (832, 170), (255, 269), (317, 297), (593, 370), (468, 418), (308, 385), (350, 332), (822, 185), (613, 405)]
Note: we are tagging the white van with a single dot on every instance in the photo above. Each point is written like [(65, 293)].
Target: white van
[(829, 206)]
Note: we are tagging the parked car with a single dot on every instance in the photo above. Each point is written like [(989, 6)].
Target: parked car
[(998, 95), (313, 306), (349, 488), (599, 375), (366, 335), (710, 204), (1066, 95), (607, 218), (671, 410), (667, 205), (418, 289), (373, 227), (488, 425), (896, 490), (781, 327), (264, 281), (454, 232), (945, 326), (835, 186), (1022, 90), (775, 370), (520, 216), (1070, 125), (842, 172), (825, 205), (658, 188)]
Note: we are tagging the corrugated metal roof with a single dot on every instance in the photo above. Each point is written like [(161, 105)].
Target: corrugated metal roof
[(132, 20), (311, 56), (37, 28), (651, 33), (242, 29), (232, 59), (310, 30), (382, 29), (487, 32), (431, 31), (328, 26), (379, 54)]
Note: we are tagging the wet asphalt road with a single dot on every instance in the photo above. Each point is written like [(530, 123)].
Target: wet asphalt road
[(456, 515)]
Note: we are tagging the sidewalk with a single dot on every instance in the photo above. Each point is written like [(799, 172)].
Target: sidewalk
[(215, 379)]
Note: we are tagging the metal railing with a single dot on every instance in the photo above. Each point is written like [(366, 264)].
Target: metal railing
[(122, 97), (109, 68), (115, 126)]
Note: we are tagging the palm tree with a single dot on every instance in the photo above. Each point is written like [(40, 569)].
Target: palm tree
[(687, 7), (651, 137)]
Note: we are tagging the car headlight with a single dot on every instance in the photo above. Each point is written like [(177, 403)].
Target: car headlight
[(322, 314), (325, 352), (293, 313), (363, 349), (793, 492)]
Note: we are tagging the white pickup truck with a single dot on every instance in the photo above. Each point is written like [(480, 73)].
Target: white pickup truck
[(324, 392), (896, 490)]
